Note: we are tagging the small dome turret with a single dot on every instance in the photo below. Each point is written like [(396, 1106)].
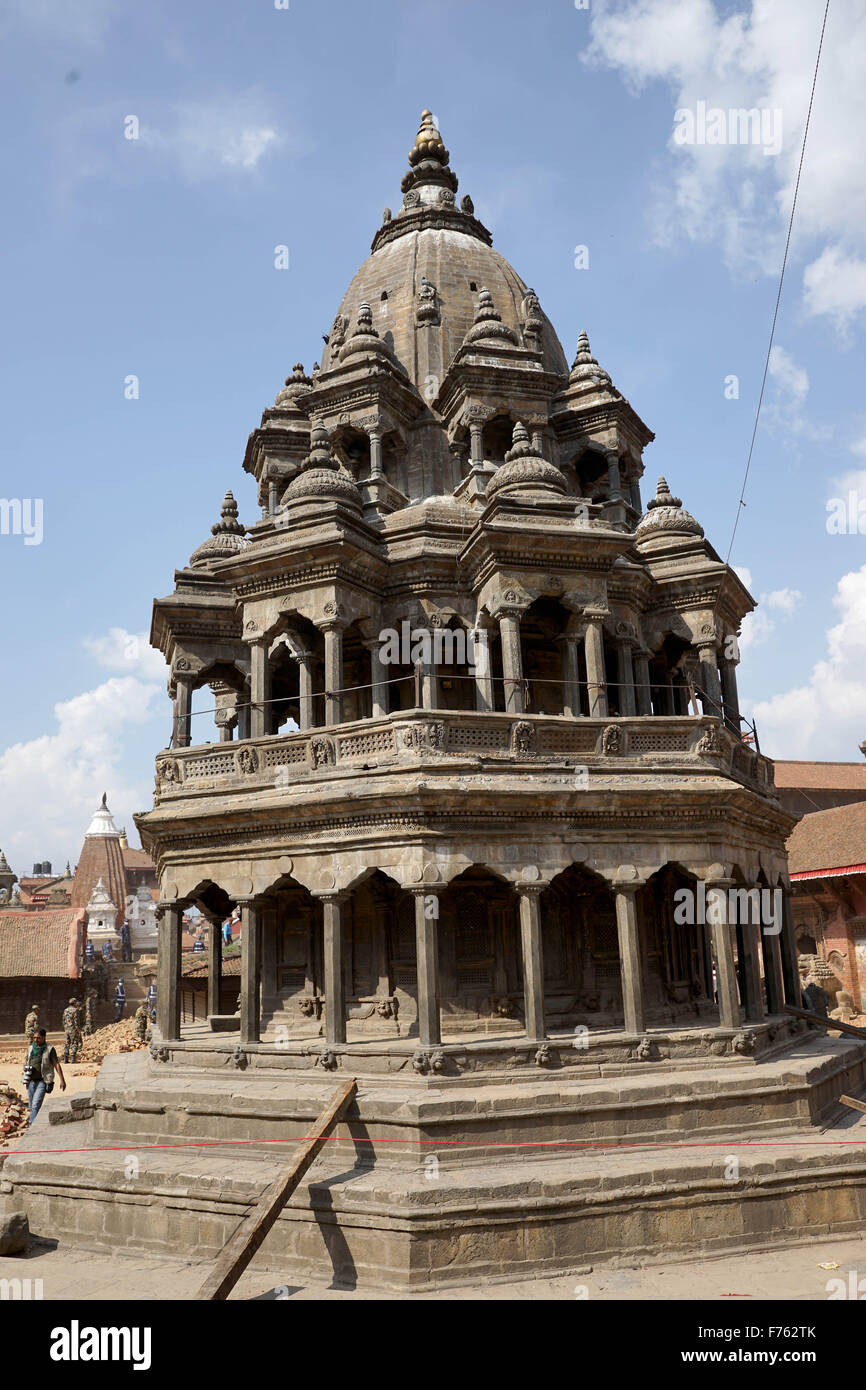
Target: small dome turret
[(322, 476), (666, 513), (524, 470), (228, 536)]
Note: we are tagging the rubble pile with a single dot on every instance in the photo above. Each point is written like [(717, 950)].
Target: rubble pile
[(13, 1113), (104, 1042)]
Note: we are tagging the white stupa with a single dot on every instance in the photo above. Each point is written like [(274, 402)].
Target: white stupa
[(142, 919), (101, 918)]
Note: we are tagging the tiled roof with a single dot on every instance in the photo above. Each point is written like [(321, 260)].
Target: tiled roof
[(43, 944), (834, 839), (822, 776), (137, 859), (195, 966)]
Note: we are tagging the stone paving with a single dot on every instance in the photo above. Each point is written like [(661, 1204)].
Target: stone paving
[(791, 1274)]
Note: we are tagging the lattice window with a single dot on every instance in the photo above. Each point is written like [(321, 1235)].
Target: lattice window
[(472, 978), (476, 736), (405, 980), (378, 741), (566, 740), (287, 753), (658, 743), (215, 765)]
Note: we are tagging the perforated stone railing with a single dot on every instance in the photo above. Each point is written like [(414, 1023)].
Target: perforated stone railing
[(685, 745)]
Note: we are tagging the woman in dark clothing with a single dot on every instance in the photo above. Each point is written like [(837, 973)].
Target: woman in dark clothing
[(40, 1064)]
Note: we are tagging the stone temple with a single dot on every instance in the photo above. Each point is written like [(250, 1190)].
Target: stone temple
[(478, 743)]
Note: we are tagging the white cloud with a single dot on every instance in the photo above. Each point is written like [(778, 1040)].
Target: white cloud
[(733, 193), (825, 717), (792, 380), (131, 652), (835, 284), (82, 22), (204, 139), (50, 785), (758, 625)]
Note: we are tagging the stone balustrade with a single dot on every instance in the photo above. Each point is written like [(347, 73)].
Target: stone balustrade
[(684, 744)]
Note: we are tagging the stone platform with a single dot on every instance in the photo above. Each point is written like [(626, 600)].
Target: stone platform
[(437, 1180)]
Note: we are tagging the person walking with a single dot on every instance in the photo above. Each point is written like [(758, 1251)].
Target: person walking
[(141, 1022), (89, 1001), (31, 1022), (40, 1064), (119, 1001), (71, 1032)]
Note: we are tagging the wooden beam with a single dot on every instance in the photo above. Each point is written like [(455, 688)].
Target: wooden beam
[(854, 1104), (826, 1022), (239, 1250)]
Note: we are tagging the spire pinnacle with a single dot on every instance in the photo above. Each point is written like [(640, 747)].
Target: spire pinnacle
[(428, 158), (585, 367)]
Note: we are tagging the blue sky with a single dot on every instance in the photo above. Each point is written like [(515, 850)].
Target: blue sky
[(261, 126)]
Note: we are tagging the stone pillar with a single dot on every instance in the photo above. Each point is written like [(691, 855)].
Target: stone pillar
[(728, 670), (630, 964), (427, 957), (375, 454), (570, 675), (483, 680), (710, 679), (273, 496), (335, 987), (788, 948), (168, 967), (748, 946), (533, 961), (214, 965), (476, 445), (306, 712), (260, 689), (429, 685), (613, 480), (625, 678), (642, 683), (251, 971), (333, 674), (378, 678), (182, 711), (773, 971), (512, 666), (595, 673), (244, 715), (635, 495), (723, 951)]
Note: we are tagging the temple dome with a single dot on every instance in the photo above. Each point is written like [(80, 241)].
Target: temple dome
[(666, 514), (524, 470), (434, 239)]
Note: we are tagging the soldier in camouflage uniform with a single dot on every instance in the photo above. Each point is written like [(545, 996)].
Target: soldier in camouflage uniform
[(141, 1022), (31, 1022), (89, 1001), (72, 1031)]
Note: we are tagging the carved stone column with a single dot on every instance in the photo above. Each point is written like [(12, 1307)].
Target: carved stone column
[(182, 711), (483, 680), (375, 453), (378, 679), (476, 444), (335, 988), (630, 965), (625, 678), (427, 957), (251, 971), (723, 951), (512, 665), (710, 683), (748, 948), (595, 672), (214, 965), (788, 945), (306, 712), (728, 668), (613, 478), (570, 674), (260, 689), (168, 967), (642, 683), (533, 961), (333, 673), (770, 945), (273, 496)]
